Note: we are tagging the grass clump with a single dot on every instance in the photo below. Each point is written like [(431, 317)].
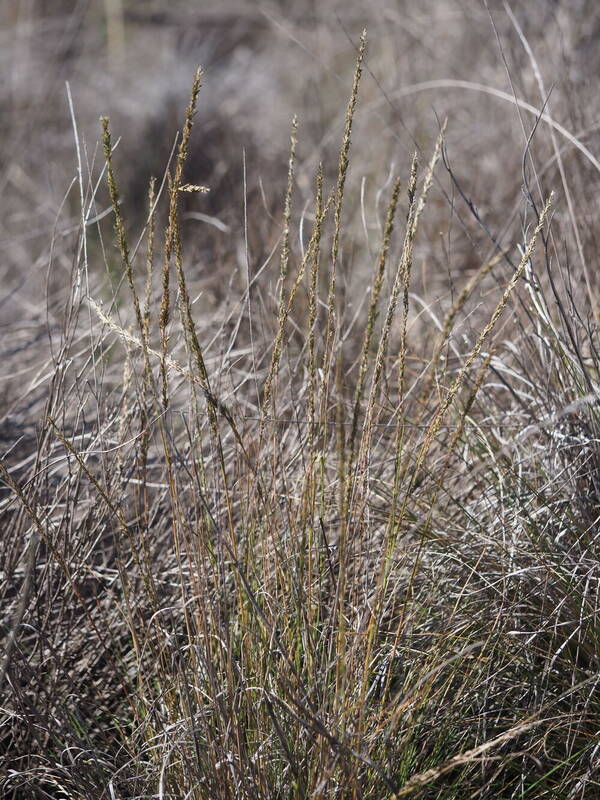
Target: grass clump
[(288, 556)]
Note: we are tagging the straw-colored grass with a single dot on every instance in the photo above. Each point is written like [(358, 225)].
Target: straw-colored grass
[(297, 553)]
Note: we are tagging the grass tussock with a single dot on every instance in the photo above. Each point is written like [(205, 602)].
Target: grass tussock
[(289, 551)]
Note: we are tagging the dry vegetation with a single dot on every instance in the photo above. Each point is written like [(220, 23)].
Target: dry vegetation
[(300, 476)]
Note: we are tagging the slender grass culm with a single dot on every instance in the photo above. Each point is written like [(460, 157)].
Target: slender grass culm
[(319, 522)]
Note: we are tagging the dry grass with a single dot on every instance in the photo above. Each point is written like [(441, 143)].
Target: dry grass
[(307, 505)]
